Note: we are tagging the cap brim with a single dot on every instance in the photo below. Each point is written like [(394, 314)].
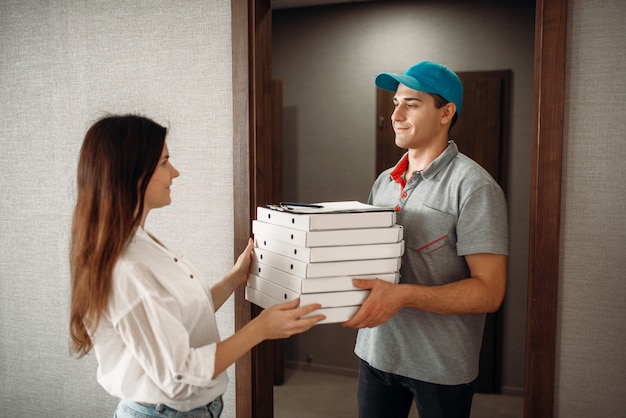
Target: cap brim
[(390, 81)]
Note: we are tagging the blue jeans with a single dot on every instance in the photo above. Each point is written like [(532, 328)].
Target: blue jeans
[(381, 394), (130, 409)]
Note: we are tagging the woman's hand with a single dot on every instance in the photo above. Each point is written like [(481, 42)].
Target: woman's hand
[(286, 319), (242, 265), (236, 276)]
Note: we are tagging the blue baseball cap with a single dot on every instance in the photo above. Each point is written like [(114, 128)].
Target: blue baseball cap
[(429, 77)]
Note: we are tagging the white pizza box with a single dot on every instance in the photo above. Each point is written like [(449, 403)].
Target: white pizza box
[(318, 284), (326, 254), (334, 268), (333, 315), (327, 215), (326, 299), (330, 238)]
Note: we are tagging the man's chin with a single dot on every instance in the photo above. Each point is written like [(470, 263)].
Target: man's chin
[(401, 144)]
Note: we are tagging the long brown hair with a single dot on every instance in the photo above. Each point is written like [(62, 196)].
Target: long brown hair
[(117, 159)]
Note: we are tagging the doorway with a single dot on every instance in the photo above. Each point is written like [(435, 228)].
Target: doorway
[(328, 57), (251, 60)]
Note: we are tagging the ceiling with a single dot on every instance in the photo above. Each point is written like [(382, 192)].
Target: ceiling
[(289, 4)]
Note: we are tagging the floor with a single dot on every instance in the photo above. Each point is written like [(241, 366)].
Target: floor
[(313, 394)]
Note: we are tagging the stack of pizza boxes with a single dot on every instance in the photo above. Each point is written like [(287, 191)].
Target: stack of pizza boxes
[(313, 252)]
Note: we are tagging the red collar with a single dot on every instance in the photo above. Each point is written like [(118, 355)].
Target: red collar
[(398, 172)]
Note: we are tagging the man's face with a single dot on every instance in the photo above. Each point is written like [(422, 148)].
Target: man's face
[(415, 120)]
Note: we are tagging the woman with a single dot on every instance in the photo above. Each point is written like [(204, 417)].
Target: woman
[(144, 310)]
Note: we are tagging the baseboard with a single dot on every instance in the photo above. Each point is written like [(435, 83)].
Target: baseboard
[(512, 391), (320, 368)]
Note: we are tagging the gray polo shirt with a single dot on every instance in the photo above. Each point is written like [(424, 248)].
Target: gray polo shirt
[(451, 209)]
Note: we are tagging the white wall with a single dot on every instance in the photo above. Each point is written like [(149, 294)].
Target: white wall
[(328, 57), (64, 64), (591, 360)]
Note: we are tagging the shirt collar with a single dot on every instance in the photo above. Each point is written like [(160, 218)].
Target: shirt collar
[(140, 233), (431, 171), (397, 174), (440, 162)]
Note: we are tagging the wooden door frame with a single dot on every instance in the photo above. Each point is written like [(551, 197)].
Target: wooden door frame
[(251, 44)]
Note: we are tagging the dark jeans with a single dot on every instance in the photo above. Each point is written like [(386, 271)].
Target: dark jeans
[(386, 395)]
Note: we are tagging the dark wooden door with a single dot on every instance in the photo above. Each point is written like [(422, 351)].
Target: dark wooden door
[(481, 133)]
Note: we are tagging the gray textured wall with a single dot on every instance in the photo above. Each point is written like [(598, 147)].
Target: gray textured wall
[(591, 360), (63, 64), (328, 57)]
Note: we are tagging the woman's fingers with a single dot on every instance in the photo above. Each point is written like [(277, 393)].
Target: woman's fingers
[(289, 319)]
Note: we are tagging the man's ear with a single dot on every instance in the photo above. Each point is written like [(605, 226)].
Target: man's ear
[(448, 112)]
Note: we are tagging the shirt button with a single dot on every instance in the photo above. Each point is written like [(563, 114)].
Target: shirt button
[(404, 195), (175, 260), (191, 276), (397, 208)]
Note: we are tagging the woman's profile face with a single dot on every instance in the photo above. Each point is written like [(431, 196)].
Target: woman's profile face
[(158, 190)]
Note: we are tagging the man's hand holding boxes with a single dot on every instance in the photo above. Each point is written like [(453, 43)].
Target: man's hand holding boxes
[(313, 251)]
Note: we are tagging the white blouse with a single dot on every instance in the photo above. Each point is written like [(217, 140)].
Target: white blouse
[(157, 339)]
